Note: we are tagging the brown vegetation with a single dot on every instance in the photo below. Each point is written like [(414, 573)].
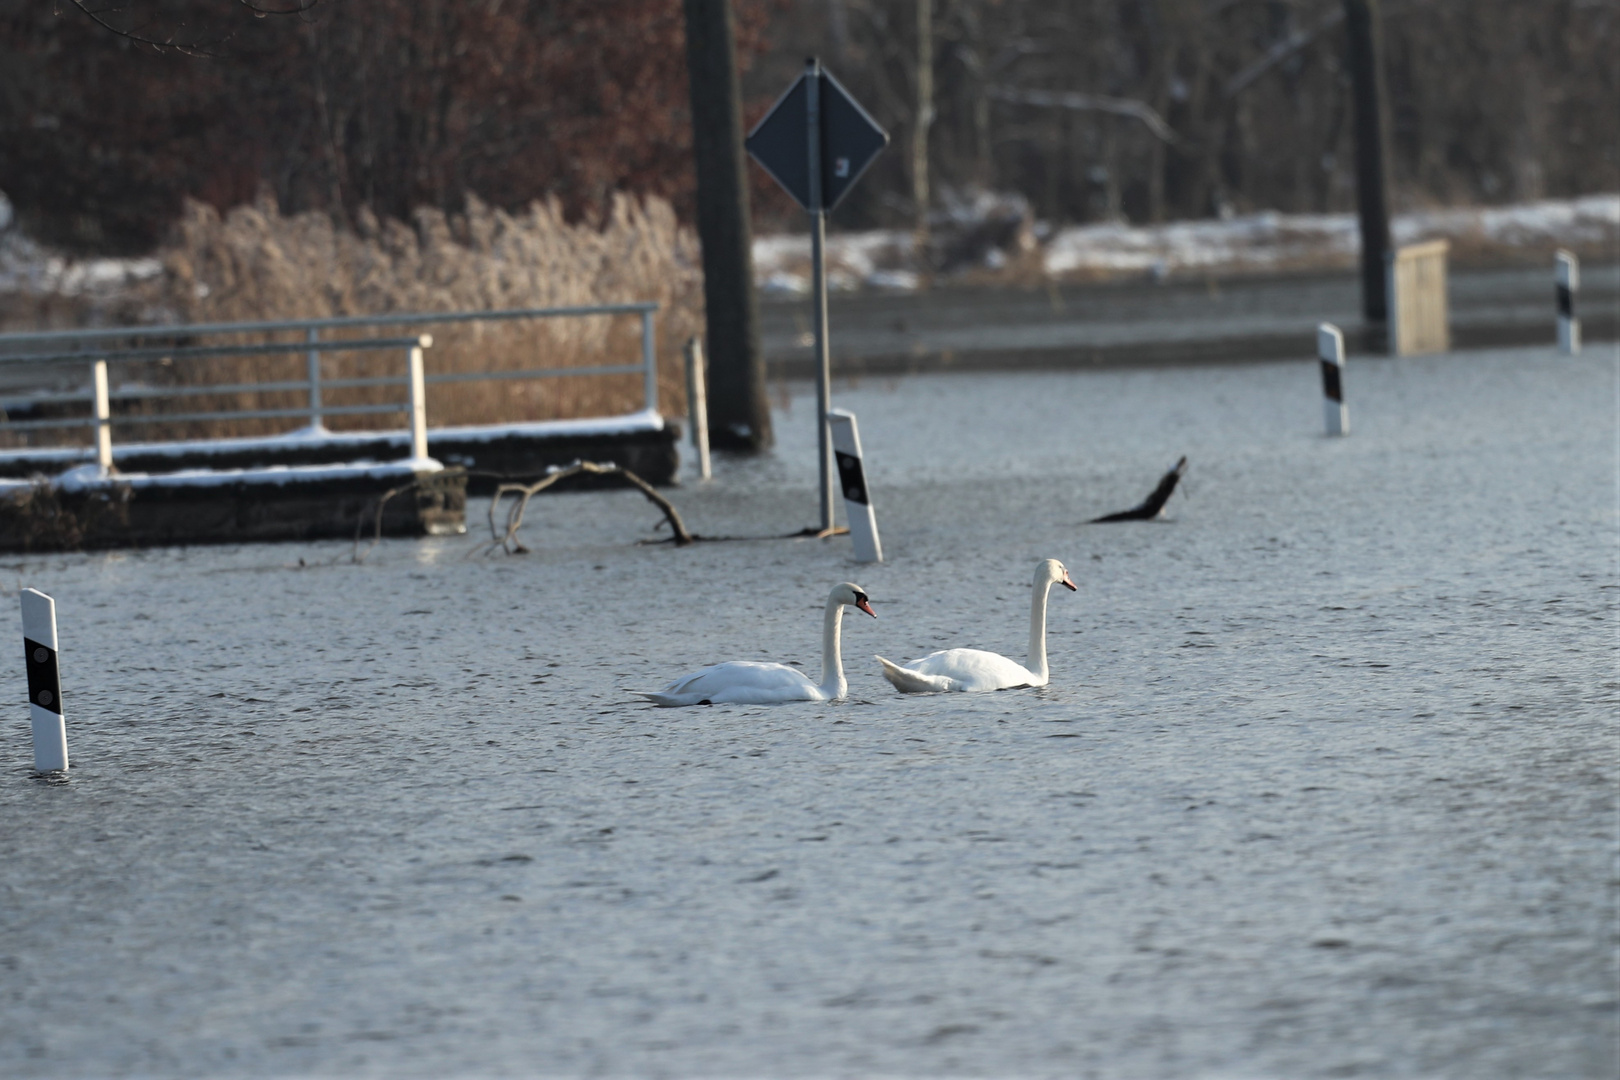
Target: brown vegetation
[(254, 263)]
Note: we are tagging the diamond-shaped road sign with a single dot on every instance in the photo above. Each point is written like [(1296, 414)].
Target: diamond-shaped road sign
[(850, 139)]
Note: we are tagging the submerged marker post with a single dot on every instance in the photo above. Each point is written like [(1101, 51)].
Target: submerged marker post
[(1568, 273), (44, 682), (846, 441), (1330, 351)]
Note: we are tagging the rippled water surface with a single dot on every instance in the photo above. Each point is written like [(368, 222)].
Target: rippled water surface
[(1323, 784)]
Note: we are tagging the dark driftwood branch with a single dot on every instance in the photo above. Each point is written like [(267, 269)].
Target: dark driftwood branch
[(509, 542), (376, 531), (1154, 503)]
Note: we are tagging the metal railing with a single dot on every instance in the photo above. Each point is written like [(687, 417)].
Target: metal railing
[(101, 419), (313, 347)]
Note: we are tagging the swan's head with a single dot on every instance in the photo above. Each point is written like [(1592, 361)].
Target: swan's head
[(852, 595), (1052, 572)]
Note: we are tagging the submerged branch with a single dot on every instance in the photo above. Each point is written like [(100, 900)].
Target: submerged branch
[(1154, 503), (508, 540)]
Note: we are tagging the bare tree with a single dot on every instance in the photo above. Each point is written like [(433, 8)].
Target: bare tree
[(1160, 108), (922, 121), (175, 32)]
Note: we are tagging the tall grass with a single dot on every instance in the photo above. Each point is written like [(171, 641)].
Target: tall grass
[(254, 263)]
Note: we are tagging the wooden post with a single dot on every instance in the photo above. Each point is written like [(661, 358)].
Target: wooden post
[(697, 404), (1419, 313), (649, 363), (1363, 32), (741, 412)]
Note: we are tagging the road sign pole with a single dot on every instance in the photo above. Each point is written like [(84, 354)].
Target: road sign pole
[(818, 271), (839, 133), (818, 256)]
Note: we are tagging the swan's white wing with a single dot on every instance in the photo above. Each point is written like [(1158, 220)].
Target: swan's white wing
[(742, 674), (974, 669), (666, 701), (740, 682), (911, 682)]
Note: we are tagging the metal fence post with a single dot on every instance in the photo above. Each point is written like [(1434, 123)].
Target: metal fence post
[(697, 403), (314, 358), (419, 447), (649, 360), (98, 375)]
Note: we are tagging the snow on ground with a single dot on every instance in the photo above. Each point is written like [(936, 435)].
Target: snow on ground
[(628, 423), (29, 268), (87, 477), (879, 259), (1268, 240), (887, 258), (92, 477)]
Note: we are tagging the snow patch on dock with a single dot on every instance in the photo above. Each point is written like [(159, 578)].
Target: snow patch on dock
[(646, 420)]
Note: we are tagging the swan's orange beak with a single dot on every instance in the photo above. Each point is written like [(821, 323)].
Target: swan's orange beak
[(1068, 583), (866, 607)]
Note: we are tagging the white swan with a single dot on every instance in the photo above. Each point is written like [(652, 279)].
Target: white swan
[(974, 669), (747, 682)]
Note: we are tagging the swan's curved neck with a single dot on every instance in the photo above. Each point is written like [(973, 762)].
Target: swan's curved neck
[(1037, 629), (832, 659)]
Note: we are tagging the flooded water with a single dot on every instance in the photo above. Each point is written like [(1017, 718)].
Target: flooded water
[(1323, 784)]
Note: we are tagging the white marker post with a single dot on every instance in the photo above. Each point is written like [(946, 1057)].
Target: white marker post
[(697, 404), (98, 378), (44, 682), (417, 403), (1330, 351), (846, 445), (1568, 273)]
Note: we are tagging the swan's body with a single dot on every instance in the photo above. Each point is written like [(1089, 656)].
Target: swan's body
[(749, 682), (974, 669), (960, 669)]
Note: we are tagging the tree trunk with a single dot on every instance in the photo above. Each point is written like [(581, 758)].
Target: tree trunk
[(1361, 24), (739, 414), (919, 128)]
